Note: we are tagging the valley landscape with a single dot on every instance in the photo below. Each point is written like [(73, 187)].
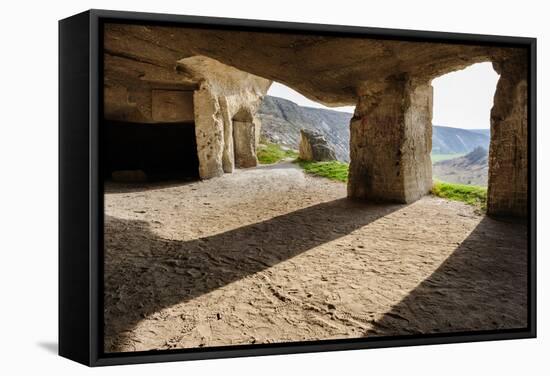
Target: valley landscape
[(458, 155)]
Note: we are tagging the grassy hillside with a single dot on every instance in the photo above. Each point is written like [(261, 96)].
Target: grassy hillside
[(471, 195), (333, 170), (269, 153)]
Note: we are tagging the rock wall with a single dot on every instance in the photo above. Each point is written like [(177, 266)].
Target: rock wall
[(127, 104), (391, 142), (169, 106), (508, 152)]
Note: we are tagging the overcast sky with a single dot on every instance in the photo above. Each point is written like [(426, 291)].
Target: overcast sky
[(462, 99)]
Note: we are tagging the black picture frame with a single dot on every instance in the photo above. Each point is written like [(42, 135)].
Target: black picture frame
[(81, 189)]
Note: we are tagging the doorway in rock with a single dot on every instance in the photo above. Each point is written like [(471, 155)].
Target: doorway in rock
[(244, 139), (137, 152), (461, 133)]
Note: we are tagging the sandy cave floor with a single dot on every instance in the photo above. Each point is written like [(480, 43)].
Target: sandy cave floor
[(271, 255)]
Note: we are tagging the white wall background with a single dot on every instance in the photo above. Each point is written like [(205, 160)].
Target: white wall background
[(28, 187)]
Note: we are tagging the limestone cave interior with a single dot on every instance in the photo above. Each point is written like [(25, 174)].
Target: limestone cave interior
[(252, 253)]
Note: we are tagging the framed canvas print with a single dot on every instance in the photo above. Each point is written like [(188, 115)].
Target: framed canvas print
[(238, 187)]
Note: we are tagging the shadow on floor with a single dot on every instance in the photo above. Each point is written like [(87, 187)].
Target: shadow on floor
[(478, 287), (145, 273), (51, 347)]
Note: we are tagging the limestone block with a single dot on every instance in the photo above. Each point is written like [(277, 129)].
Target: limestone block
[(314, 147)]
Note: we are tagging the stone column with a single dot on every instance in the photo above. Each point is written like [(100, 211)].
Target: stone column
[(228, 158), (391, 141), (507, 191), (209, 131), (244, 139)]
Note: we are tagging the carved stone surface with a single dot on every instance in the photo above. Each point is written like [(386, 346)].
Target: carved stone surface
[(508, 155), (172, 106), (244, 139), (331, 70), (391, 143)]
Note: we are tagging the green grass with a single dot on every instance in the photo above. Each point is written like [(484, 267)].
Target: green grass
[(470, 194), (269, 153), (333, 170), (444, 157)]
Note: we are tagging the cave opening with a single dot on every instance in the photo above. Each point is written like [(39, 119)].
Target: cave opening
[(284, 112), (138, 152), (461, 125), (149, 135)]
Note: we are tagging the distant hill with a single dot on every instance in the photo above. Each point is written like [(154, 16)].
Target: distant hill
[(471, 168), (447, 140), (485, 131), (283, 119)]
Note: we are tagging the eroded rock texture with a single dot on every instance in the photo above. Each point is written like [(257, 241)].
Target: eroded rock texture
[(314, 147), (391, 135), (229, 72), (508, 154)]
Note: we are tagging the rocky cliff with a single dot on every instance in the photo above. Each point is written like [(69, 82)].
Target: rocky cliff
[(447, 140), (283, 119)]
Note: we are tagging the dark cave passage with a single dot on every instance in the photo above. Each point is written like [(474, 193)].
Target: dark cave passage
[(152, 152)]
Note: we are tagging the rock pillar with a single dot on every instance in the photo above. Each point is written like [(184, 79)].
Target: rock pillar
[(508, 179), (209, 130), (391, 141), (228, 157)]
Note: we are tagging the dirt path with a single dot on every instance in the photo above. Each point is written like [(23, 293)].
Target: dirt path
[(270, 254)]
